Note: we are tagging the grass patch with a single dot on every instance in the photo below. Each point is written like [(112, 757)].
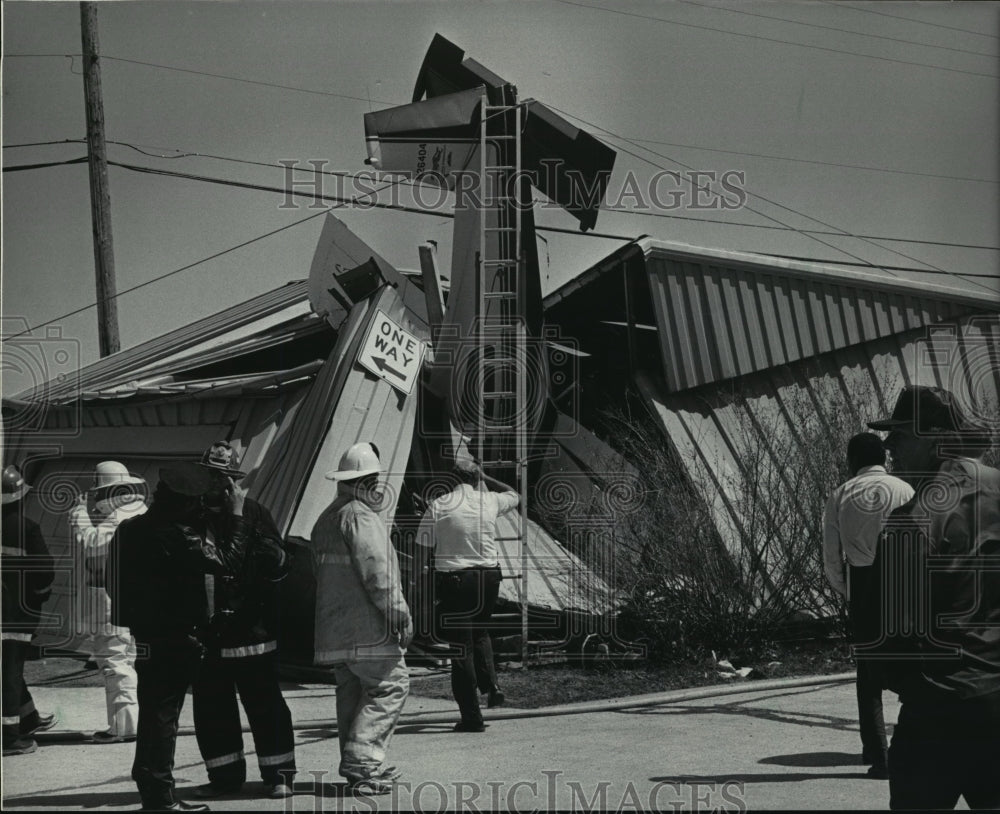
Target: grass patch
[(546, 685)]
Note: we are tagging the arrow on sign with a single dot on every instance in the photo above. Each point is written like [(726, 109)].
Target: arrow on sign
[(382, 365)]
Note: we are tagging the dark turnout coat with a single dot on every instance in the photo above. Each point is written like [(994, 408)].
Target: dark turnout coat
[(27, 572), (156, 575), (248, 600)]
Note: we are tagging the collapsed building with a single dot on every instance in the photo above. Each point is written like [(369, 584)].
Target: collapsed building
[(731, 354)]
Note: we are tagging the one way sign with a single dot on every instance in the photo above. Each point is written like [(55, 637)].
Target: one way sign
[(391, 353)]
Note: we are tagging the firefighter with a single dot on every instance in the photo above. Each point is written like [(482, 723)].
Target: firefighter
[(116, 496), (27, 579), (363, 623), (242, 653), (160, 565)]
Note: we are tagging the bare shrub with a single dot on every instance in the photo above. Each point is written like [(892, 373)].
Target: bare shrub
[(723, 557)]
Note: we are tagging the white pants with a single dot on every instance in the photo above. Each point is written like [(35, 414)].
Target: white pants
[(114, 653)]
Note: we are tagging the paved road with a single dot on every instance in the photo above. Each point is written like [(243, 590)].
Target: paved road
[(780, 748)]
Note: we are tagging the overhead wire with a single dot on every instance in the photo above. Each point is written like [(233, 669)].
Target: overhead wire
[(450, 216), (864, 167), (833, 28), (826, 261), (606, 208), (203, 260), (43, 143), (820, 163), (843, 233), (909, 19), (775, 39), (340, 204), (384, 102), (244, 80), (623, 138), (23, 167)]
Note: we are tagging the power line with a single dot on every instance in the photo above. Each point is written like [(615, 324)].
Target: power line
[(383, 102), (169, 273), (343, 202), (868, 168), (216, 76), (406, 182), (775, 39), (865, 265), (44, 143), (784, 228), (833, 28), (416, 210), (248, 81), (821, 163), (910, 19), (23, 167), (603, 208), (843, 233)]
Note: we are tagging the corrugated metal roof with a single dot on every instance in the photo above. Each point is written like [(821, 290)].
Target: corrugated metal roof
[(167, 386), (712, 431), (210, 332), (718, 322), (977, 292), (931, 283), (722, 314)]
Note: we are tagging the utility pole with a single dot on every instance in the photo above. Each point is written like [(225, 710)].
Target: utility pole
[(100, 196)]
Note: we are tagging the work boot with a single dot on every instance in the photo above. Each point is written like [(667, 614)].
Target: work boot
[(469, 726), (369, 786), (178, 805), (37, 723), (21, 746)]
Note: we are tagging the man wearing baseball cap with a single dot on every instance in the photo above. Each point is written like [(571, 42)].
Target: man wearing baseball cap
[(116, 496), (27, 571), (363, 623), (157, 564), (938, 578)]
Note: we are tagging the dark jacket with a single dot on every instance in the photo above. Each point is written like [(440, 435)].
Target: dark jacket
[(936, 617), (27, 573), (247, 609), (156, 575)]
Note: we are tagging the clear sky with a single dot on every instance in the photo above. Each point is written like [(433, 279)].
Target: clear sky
[(873, 119)]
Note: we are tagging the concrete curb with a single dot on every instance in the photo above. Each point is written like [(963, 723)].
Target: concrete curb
[(605, 705), (652, 699)]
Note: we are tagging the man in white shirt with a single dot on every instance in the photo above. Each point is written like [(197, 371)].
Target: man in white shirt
[(852, 523), (460, 527)]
